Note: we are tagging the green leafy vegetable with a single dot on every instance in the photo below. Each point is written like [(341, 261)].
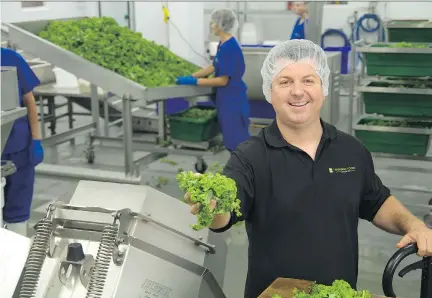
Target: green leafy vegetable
[(395, 123), (161, 181), (404, 44), (208, 186), (276, 296), (104, 42), (216, 168), (339, 289), (168, 161), (198, 113)]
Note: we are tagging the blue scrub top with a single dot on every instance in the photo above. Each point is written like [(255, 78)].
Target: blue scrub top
[(298, 30), (229, 61), (20, 136)]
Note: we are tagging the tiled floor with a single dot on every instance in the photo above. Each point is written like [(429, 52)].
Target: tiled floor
[(376, 247)]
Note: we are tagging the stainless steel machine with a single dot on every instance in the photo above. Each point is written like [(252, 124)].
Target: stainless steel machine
[(254, 59), (11, 111), (117, 240)]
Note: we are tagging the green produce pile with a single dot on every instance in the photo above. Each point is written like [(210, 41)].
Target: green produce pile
[(412, 84), (199, 113), (404, 44), (208, 186), (415, 86), (424, 80), (104, 42), (339, 289), (394, 123)]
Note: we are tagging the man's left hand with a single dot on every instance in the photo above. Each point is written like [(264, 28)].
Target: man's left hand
[(421, 235)]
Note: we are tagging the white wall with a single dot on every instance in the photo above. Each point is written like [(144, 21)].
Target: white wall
[(149, 21), (186, 31), (13, 12), (184, 35), (189, 30), (116, 10)]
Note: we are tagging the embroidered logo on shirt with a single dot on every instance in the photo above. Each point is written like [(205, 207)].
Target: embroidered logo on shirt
[(341, 170)]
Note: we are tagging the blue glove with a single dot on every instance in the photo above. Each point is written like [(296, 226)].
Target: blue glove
[(37, 151), (189, 80)]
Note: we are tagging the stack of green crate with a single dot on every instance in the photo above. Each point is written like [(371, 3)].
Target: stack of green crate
[(403, 100)]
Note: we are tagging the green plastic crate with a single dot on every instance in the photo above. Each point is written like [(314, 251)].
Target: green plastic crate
[(410, 34), (409, 31), (398, 64), (393, 142), (396, 104), (193, 129)]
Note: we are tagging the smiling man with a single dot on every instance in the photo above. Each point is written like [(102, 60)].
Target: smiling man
[(304, 185)]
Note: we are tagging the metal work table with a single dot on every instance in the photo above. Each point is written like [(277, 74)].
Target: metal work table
[(48, 92)]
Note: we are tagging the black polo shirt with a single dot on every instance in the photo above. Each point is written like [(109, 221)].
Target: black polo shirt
[(302, 214)]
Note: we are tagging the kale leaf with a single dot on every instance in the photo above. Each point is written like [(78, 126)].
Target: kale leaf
[(208, 186), (339, 289)]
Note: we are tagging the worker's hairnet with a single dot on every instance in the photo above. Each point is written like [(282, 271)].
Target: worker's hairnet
[(292, 51), (225, 19)]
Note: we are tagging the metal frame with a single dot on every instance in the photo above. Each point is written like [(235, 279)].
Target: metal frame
[(419, 131), (419, 24), (366, 88), (22, 35), (389, 50)]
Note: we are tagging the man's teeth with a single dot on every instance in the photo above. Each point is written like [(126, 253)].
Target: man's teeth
[(298, 104)]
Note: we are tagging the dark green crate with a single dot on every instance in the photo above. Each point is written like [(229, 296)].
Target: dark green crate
[(398, 64), (394, 142), (192, 129), (397, 104), (410, 34)]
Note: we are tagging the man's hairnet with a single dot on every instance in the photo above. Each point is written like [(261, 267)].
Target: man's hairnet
[(225, 19), (292, 51)]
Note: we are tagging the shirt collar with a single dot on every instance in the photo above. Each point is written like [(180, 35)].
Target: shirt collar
[(274, 138)]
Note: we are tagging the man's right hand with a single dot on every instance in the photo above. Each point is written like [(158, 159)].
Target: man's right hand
[(219, 221)]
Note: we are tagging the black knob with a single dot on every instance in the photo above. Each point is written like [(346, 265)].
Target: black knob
[(75, 252)]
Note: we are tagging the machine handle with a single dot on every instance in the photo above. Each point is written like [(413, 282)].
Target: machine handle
[(393, 263), (210, 247), (146, 217)]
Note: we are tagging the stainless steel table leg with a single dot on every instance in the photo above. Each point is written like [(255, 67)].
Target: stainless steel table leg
[(106, 116), (70, 118), (161, 125), (351, 91), (42, 116), (127, 136), (95, 107)]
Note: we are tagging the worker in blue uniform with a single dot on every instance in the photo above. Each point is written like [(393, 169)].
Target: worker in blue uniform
[(228, 68), (301, 9), (23, 147)]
